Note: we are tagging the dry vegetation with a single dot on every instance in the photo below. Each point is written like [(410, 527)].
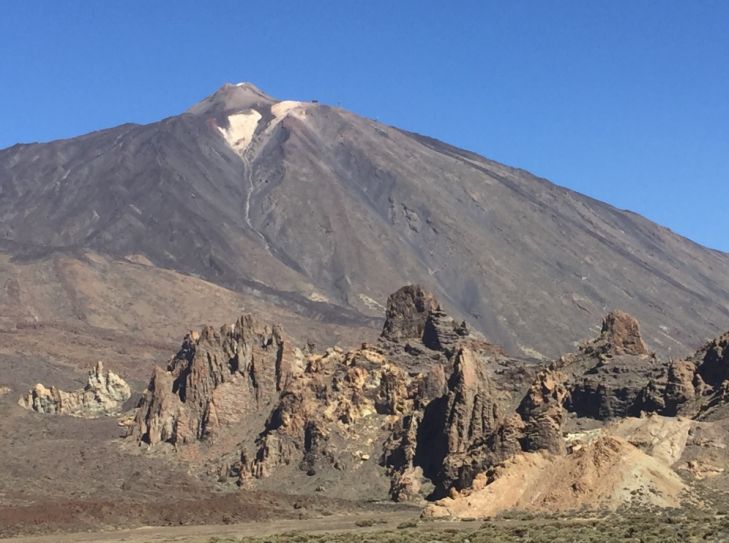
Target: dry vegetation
[(648, 527)]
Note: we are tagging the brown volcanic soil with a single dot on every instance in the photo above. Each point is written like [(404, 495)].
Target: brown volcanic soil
[(65, 474), (357, 522), (213, 511), (58, 316), (84, 307)]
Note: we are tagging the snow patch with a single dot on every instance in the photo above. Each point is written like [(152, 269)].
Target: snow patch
[(241, 127)]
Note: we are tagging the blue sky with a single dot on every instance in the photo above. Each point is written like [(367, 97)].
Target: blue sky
[(627, 101)]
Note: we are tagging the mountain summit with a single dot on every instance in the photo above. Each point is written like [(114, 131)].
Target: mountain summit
[(311, 211), (232, 96)]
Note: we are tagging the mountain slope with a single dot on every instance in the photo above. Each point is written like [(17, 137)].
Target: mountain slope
[(321, 212)]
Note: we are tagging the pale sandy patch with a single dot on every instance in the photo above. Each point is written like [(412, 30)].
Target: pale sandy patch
[(317, 297), (281, 110), (631, 460), (371, 303), (241, 127)]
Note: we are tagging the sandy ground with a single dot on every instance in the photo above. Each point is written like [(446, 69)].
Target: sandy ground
[(629, 461), (202, 534)]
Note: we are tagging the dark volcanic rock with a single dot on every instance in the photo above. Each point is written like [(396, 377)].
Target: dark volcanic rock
[(442, 332), (543, 413), (614, 388), (407, 311), (713, 361)]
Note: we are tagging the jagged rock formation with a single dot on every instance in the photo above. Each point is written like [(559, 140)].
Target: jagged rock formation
[(543, 413), (432, 410), (699, 385), (330, 417), (216, 379), (104, 394), (613, 375), (390, 405), (475, 432)]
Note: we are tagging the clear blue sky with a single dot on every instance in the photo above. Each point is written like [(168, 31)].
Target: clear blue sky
[(624, 100)]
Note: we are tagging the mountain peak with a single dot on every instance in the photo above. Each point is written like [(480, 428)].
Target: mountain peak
[(232, 96)]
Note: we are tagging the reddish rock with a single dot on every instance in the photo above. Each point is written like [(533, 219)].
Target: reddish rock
[(620, 335)]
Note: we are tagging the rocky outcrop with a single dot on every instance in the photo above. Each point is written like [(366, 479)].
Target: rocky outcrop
[(620, 335), (699, 385), (331, 415), (431, 410), (475, 433), (456, 435), (407, 311), (415, 318), (543, 413), (626, 380), (217, 378), (442, 332), (713, 362), (104, 394), (680, 389), (428, 414), (614, 375), (616, 388)]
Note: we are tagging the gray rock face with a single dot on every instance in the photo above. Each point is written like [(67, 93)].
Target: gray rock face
[(326, 213), (104, 394)]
